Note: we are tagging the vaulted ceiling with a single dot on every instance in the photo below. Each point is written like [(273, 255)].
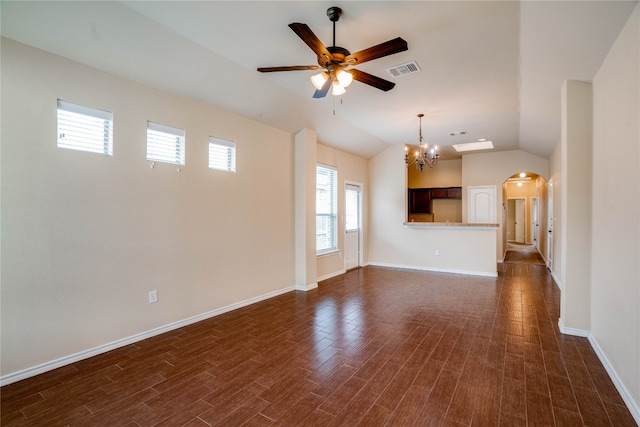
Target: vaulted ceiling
[(491, 69)]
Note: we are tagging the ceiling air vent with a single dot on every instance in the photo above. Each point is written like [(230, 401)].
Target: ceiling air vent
[(404, 69)]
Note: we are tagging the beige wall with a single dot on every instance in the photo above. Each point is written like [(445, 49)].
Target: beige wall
[(576, 146), (493, 169), (352, 169), (615, 232), (447, 173), (85, 237), (393, 244)]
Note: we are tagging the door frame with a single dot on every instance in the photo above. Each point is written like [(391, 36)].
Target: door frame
[(550, 224), (533, 221), (524, 213), (360, 222)]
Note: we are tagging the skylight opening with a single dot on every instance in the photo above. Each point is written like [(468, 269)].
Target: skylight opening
[(472, 146)]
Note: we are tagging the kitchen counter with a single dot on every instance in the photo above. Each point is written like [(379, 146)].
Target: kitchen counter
[(448, 225)]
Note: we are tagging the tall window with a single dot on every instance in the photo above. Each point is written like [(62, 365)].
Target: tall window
[(326, 209), (222, 154), (85, 128), (165, 144)]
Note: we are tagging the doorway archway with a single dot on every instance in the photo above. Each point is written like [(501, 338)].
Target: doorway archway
[(524, 221)]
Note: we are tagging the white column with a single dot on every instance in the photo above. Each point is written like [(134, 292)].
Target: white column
[(305, 209)]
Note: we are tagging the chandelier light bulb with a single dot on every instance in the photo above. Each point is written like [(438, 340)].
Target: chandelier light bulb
[(318, 80), (345, 78), (337, 89)]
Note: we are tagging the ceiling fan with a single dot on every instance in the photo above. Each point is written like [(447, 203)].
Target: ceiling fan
[(335, 60)]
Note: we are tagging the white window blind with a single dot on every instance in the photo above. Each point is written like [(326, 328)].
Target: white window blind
[(222, 154), (165, 144), (84, 128), (326, 209)]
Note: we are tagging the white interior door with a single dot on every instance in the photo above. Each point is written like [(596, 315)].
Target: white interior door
[(520, 221), (352, 226), (550, 225), (481, 202), (534, 221)]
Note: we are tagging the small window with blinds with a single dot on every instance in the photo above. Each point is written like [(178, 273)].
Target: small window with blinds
[(222, 154), (85, 128), (326, 210), (165, 144)]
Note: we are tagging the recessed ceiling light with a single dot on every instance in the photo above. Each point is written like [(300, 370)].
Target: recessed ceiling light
[(522, 174), (471, 146), (482, 139)]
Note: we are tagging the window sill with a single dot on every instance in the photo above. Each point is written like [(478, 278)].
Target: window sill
[(328, 253)]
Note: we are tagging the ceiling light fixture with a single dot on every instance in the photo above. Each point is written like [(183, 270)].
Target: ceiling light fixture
[(423, 155), (340, 79)]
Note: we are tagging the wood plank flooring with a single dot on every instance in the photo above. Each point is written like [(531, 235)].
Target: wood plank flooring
[(373, 347)]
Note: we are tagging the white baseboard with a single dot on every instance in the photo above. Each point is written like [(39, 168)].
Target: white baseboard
[(437, 270), (572, 331), (330, 275), (66, 360), (306, 288), (633, 407)]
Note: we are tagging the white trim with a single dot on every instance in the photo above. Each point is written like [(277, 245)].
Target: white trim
[(66, 360), (330, 275), (633, 407), (435, 269), (572, 331), (306, 288), (360, 220), (328, 252), (556, 279)]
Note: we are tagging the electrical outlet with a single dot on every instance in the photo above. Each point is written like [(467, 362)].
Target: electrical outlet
[(437, 252), (153, 297)]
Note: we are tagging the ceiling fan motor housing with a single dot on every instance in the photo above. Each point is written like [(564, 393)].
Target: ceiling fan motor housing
[(334, 13)]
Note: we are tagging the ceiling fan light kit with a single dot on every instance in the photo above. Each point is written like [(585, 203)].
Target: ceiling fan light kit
[(424, 155), (335, 60)]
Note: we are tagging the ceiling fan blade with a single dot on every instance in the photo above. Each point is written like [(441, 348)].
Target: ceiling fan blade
[(288, 68), (321, 93), (371, 80), (304, 32), (378, 51)]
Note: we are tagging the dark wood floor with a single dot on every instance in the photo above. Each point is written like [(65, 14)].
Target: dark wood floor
[(373, 347)]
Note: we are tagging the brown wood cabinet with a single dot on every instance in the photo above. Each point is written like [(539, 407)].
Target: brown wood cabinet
[(420, 199), (454, 193)]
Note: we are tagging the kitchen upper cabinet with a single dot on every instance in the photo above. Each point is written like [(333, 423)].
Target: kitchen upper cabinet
[(454, 193), (420, 199)]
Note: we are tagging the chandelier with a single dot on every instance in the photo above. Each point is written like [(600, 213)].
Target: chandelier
[(424, 155)]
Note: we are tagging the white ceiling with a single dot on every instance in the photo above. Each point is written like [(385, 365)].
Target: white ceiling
[(492, 69)]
